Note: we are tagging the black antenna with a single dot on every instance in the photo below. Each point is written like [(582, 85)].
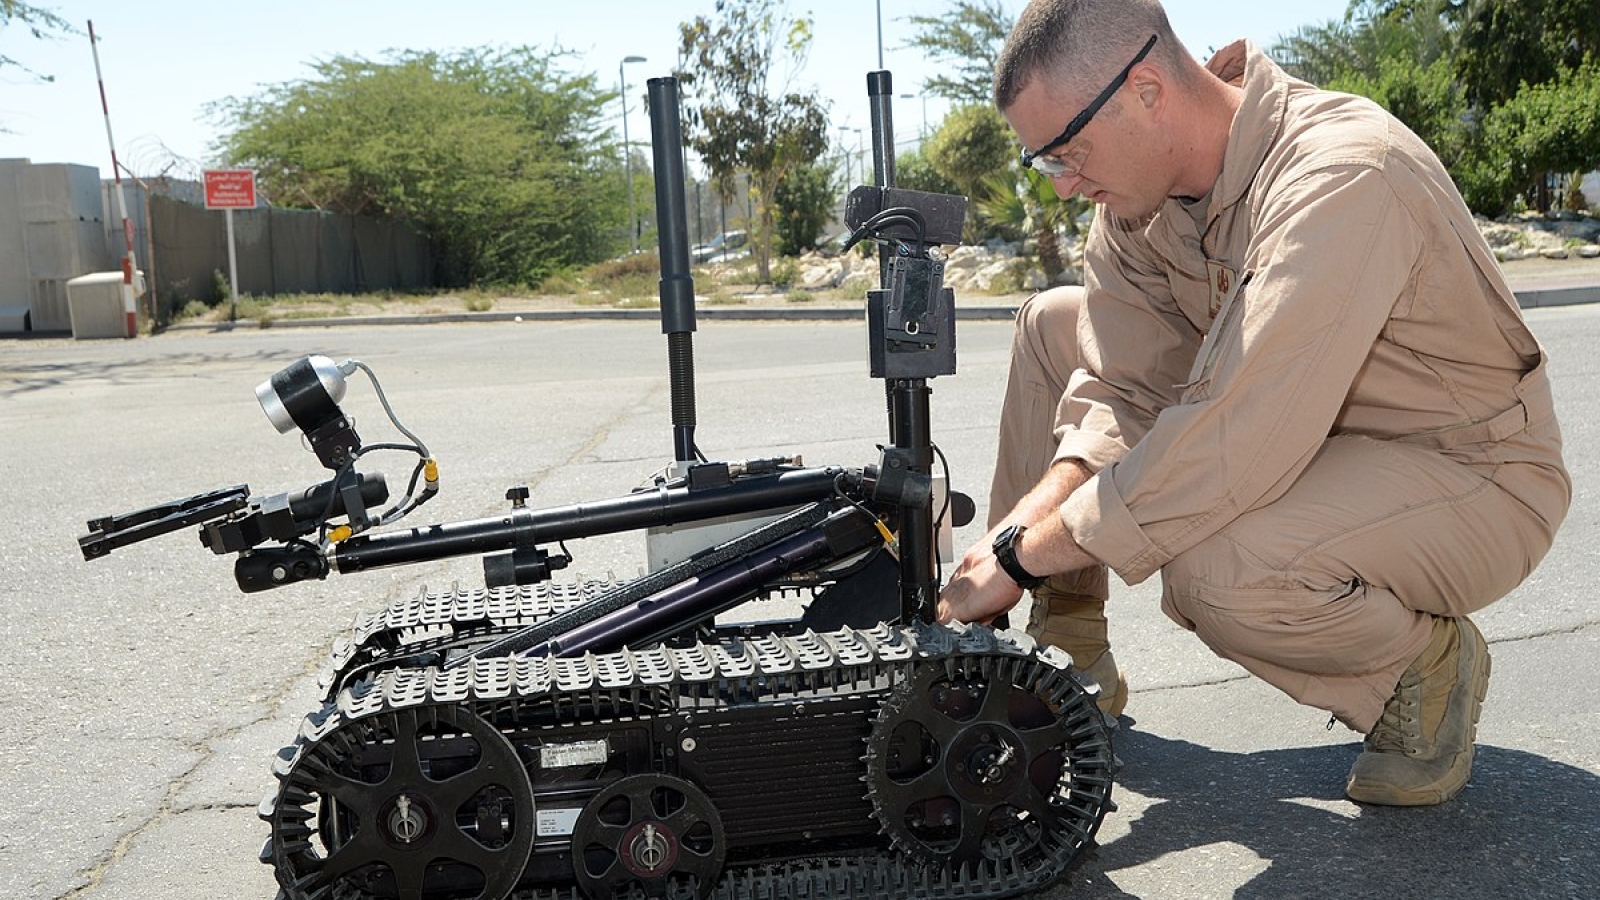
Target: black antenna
[(880, 91), (677, 285)]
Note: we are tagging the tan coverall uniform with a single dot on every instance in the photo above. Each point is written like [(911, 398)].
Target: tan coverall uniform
[(1310, 401)]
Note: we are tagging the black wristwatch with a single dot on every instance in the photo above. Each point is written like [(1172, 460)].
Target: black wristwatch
[(1005, 553)]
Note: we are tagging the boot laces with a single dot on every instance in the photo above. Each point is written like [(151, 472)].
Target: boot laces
[(1399, 729)]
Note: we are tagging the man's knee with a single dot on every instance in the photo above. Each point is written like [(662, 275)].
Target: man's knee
[(1053, 311), (1045, 344)]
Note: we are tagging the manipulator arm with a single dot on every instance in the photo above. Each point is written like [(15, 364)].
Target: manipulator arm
[(231, 521)]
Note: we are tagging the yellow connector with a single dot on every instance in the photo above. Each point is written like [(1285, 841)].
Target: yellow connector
[(338, 534), (888, 536)]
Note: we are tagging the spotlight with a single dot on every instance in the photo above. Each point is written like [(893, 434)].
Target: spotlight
[(306, 394)]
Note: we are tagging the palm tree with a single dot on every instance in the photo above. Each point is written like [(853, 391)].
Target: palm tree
[(1029, 206)]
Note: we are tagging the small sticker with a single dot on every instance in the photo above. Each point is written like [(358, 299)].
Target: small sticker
[(581, 753), (556, 822)]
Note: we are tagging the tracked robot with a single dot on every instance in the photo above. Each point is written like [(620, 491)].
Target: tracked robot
[(536, 738)]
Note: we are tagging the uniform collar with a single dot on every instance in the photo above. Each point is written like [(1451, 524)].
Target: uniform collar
[(1258, 122)]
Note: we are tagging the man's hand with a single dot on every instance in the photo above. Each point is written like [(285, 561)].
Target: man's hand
[(979, 590)]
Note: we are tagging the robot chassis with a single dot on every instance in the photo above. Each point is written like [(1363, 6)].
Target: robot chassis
[(542, 740)]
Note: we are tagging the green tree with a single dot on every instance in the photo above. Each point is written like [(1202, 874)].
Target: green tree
[(1549, 127), (734, 118), (973, 143), (1505, 44), (495, 155), (964, 44), (42, 24), (1465, 75), (804, 199), (1029, 206), (1495, 46), (1370, 33), (913, 171)]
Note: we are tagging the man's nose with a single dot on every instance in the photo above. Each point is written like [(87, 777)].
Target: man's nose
[(1066, 186)]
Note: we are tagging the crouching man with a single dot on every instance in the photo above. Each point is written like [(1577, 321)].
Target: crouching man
[(1295, 384)]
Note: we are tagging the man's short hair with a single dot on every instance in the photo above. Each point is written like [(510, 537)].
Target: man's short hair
[(1079, 44)]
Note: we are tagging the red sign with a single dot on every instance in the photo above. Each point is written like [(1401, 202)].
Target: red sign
[(230, 189)]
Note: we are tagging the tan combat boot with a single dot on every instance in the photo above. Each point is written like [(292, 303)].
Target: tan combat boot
[(1420, 752), (1077, 624)]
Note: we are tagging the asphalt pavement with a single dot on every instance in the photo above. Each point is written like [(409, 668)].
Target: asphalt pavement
[(145, 696)]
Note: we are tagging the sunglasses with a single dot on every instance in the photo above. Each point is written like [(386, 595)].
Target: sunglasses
[(1052, 167)]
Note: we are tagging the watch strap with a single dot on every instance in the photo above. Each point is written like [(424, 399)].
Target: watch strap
[(1005, 553)]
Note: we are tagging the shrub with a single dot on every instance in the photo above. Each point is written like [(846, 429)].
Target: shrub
[(785, 272)]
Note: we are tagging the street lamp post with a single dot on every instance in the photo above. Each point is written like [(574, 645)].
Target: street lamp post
[(627, 152), (843, 129), (880, 33), (923, 135)]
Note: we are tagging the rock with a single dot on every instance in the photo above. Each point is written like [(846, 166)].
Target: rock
[(1071, 275), (1001, 276), (1554, 253), (965, 259), (1589, 251), (822, 275), (859, 284), (1581, 228), (1501, 236)]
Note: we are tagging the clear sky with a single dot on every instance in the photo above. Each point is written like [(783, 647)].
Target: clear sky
[(164, 61)]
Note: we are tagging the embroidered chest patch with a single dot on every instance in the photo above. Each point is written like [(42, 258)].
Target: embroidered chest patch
[(1222, 281)]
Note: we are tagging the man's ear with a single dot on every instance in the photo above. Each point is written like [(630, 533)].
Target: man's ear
[(1151, 87)]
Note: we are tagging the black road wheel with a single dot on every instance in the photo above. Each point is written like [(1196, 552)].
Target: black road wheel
[(656, 832), (425, 803)]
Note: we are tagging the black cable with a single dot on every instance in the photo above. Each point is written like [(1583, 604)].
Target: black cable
[(883, 529), (949, 490), (895, 215), (349, 467), (333, 497)]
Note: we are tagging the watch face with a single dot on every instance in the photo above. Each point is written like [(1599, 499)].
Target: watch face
[(1007, 536)]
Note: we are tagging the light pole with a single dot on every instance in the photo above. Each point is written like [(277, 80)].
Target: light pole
[(843, 129), (627, 152), (923, 135), (880, 33)]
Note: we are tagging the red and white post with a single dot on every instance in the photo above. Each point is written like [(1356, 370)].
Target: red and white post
[(129, 268)]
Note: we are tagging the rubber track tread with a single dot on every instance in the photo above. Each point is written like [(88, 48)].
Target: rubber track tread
[(433, 620), (766, 668)]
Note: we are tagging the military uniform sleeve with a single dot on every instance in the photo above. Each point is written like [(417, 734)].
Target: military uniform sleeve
[(1135, 342), (1332, 253)]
